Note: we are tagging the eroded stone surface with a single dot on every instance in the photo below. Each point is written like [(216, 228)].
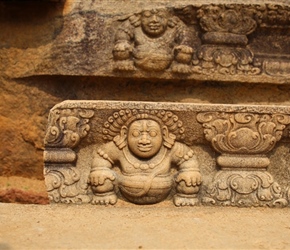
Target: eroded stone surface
[(79, 38), (206, 40)]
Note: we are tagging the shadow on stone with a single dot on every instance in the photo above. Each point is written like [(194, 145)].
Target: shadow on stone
[(35, 23)]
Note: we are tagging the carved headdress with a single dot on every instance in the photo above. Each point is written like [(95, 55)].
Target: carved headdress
[(113, 126), (135, 19)]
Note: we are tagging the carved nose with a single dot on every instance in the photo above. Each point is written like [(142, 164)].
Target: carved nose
[(144, 139), (154, 18)]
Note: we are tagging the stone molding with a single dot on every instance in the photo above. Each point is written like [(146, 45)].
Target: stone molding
[(106, 161)]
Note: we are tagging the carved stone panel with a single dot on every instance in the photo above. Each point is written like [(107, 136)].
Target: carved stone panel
[(197, 41), (227, 41), (154, 40), (100, 151)]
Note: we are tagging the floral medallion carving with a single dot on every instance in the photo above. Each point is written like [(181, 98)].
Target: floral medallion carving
[(244, 139), (243, 133), (232, 19)]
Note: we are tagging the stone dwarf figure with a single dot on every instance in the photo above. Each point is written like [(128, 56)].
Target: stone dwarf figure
[(153, 41), (139, 158)]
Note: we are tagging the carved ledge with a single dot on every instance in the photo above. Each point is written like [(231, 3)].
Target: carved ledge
[(145, 153)]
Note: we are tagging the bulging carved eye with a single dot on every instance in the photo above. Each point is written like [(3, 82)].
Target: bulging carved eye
[(153, 133), (147, 14), (136, 133), (161, 15)]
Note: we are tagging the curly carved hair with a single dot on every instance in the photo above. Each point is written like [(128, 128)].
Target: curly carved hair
[(113, 125), (135, 19)]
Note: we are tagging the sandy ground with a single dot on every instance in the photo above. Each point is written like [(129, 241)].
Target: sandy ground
[(128, 226)]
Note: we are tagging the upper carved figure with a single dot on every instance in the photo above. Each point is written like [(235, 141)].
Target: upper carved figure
[(144, 149), (154, 40)]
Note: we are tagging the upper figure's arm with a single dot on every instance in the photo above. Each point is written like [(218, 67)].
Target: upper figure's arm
[(125, 33), (187, 36)]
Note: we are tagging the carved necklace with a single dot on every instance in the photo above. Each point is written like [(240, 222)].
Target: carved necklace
[(138, 164)]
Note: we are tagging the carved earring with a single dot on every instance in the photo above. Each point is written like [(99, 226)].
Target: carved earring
[(168, 138), (120, 140), (135, 20), (172, 22)]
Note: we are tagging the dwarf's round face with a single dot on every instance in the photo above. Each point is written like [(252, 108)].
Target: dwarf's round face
[(154, 23), (144, 138)]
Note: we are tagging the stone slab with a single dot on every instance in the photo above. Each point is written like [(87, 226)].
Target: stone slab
[(91, 155)]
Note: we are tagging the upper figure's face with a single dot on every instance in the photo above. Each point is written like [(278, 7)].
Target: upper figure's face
[(144, 138), (154, 22)]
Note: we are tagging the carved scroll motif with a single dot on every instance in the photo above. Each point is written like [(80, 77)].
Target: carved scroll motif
[(243, 139), (243, 133), (274, 15), (63, 185), (224, 42), (66, 128), (245, 188)]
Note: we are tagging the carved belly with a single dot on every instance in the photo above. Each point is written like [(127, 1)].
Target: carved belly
[(152, 61), (145, 189)]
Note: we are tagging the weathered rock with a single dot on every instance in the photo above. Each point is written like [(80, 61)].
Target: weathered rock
[(205, 40), (54, 51), (22, 190), (25, 104)]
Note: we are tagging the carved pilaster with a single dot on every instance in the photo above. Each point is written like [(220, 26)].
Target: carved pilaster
[(65, 130), (243, 140), (62, 184), (225, 39)]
